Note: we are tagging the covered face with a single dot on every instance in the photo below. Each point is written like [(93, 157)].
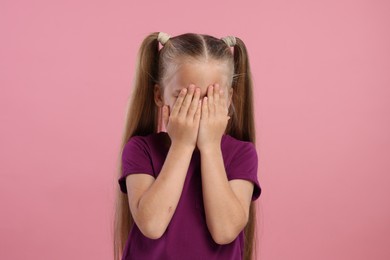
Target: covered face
[(200, 73)]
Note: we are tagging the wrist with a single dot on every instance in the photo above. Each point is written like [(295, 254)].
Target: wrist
[(210, 148), (181, 147)]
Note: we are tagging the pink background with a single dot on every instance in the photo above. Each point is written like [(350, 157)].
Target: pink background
[(321, 74)]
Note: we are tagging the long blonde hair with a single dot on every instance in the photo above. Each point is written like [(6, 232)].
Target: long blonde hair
[(142, 113)]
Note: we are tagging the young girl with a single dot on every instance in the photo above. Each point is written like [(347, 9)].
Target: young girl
[(188, 165)]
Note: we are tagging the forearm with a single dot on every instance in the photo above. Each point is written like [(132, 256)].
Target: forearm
[(159, 202), (225, 216)]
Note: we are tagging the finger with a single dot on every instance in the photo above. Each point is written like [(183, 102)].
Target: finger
[(205, 108), (178, 102), (194, 103), (223, 102), (165, 116), (187, 101), (210, 101), (198, 112), (216, 94)]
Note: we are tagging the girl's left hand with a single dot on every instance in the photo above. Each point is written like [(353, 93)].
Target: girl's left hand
[(214, 118)]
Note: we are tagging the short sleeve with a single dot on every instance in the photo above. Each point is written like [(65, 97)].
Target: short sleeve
[(136, 158), (243, 165)]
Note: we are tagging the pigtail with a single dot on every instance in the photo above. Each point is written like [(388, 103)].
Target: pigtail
[(142, 113), (141, 119), (242, 125)]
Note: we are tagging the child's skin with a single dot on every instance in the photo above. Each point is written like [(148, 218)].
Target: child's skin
[(193, 122)]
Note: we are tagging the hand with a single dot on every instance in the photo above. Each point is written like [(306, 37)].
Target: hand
[(183, 123), (214, 118)]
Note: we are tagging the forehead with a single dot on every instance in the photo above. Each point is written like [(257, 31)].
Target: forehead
[(200, 73)]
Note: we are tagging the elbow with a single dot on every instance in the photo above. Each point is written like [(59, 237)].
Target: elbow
[(151, 230), (150, 227), (150, 233), (223, 235), (224, 238)]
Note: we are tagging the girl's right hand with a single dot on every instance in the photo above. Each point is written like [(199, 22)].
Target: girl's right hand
[(182, 123)]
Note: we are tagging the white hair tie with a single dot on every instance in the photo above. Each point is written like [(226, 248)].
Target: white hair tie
[(163, 37), (229, 40)]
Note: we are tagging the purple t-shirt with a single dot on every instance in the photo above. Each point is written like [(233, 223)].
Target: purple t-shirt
[(187, 235)]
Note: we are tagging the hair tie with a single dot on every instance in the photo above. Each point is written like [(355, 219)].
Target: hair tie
[(163, 37), (229, 40)]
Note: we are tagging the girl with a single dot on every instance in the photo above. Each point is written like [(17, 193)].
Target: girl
[(188, 165)]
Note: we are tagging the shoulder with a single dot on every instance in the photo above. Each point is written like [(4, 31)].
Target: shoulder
[(241, 161), (239, 152), (136, 141), (145, 139), (233, 145), (143, 142)]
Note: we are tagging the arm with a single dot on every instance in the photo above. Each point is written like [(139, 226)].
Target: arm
[(226, 203), (153, 203)]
